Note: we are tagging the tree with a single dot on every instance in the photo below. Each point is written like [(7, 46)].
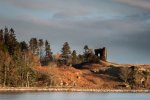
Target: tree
[(48, 53), (93, 58), (66, 54), (41, 43), (10, 40), (7, 61), (86, 53), (89, 55), (80, 58), (24, 70), (6, 35), (66, 49), (23, 46), (16, 61), (13, 43), (1, 36), (12, 31), (74, 57), (33, 45), (86, 48)]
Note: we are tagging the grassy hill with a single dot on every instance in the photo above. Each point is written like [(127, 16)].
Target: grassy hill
[(102, 76)]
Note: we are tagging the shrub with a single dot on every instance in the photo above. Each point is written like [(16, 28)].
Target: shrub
[(124, 74)]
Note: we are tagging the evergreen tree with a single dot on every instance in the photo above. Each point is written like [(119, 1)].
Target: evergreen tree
[(33, 45), (89, 55), (86, 53), (6, 35), (66, 49), (10, 40), (13, 43), (23, 46), (41, 43), (74, 57), (66, 54), (48, 53), (1, 36)]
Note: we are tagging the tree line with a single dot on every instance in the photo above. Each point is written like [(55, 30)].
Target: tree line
[(17, 59)]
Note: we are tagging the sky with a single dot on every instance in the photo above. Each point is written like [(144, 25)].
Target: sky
[(123, 26)]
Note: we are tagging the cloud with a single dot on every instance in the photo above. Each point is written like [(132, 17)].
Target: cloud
[(137, 3), (120, 25)]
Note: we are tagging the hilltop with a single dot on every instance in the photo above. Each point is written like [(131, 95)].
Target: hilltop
[(95, 76)]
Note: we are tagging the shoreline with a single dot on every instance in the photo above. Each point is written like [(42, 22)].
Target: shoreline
[(45, 89)]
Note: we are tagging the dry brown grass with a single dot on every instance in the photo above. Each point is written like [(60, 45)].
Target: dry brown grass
[(84, 78)]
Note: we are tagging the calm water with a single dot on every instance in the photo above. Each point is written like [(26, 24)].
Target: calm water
[(74, 96)]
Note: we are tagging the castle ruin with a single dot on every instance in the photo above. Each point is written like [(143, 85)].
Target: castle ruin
[(101, 53)]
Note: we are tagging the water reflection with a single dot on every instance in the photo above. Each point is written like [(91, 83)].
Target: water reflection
[(73, 96)]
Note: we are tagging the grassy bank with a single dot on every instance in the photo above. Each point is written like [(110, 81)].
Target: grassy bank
[(52, 89)]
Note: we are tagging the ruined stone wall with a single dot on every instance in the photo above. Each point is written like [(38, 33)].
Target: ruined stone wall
[(101, 53)]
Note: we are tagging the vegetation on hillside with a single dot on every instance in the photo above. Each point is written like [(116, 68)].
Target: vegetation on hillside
[(32, 64), (17, 59)]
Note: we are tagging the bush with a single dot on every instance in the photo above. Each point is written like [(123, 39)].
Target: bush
[(124, 74)]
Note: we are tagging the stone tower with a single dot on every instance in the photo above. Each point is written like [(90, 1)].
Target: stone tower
[(101, 53)]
